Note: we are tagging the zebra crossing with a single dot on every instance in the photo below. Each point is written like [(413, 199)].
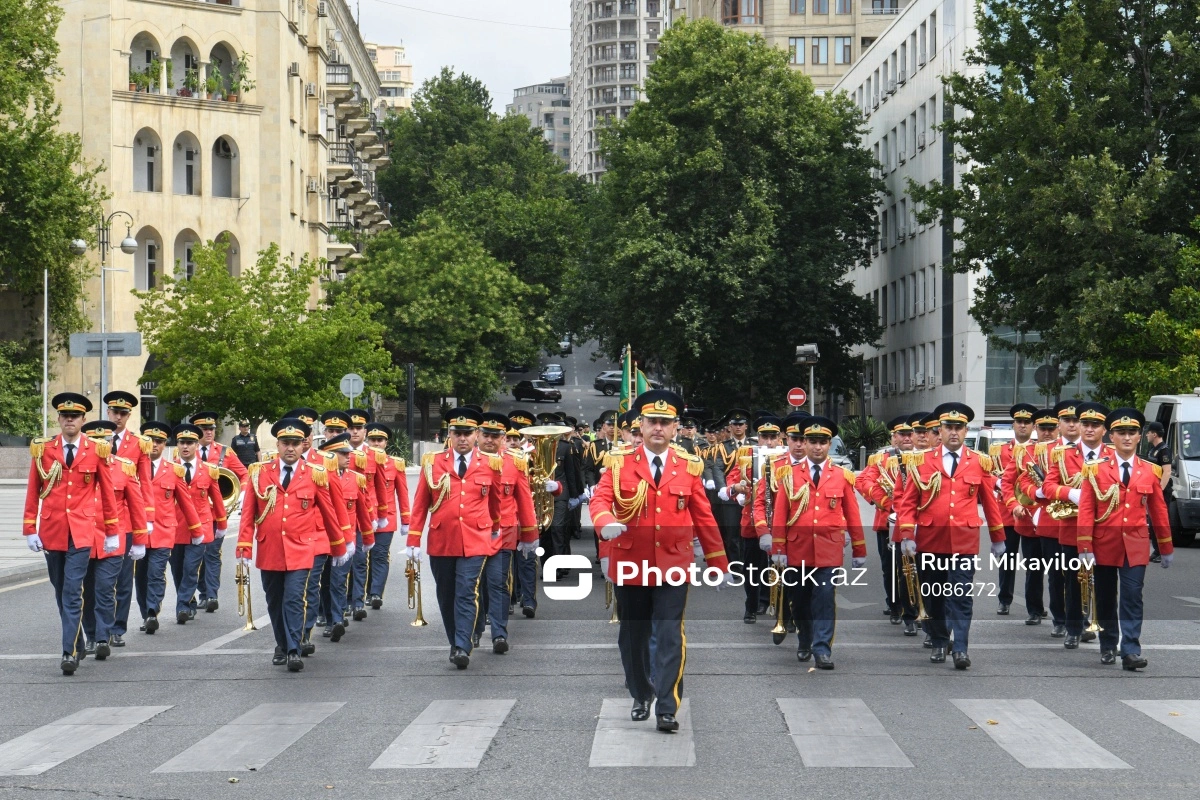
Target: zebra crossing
[(457, 734)]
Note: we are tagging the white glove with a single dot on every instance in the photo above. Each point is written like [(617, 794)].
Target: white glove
[(723, 493), (697, 550), (908, 547), (137, 552), (350, 547), (404, 530), (35, 542), (219, 533), (1073, 495), (495, 533), (552, 486), (858, 563), (710, 484), (1087, 559), (731, 579), (611, 531), (149, 527), (998, 549), (197, 540), (779, 560), (413, 552), (764, 542), (604, 567), (1039, 494), (589, 491), (245, 562), (379, 524), (1167, 558), (526, 548), (111, 543), (892, 518), (340, 561), (741, 498), (846, 540)]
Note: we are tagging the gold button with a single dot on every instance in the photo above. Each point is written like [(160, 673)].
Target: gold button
[(656, 544), (462, 505), (658, 511), (659, 493), (462, 492), (658, 527), (951, 491), (284, 519), (68, 497)]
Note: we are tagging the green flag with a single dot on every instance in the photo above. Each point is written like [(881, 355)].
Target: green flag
[(626, 373)]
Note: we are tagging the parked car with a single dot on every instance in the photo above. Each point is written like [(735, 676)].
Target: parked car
[(564, 346), (516, 368), (609, 382), (554, 375), (537, 391), (838, 454), (1180, 415)]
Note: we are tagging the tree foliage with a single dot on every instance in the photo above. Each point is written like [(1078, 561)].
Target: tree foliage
[(734, 203), (20, 390), (1081, 135), (47, 195), (253, 346)]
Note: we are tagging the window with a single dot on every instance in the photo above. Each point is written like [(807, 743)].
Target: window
[(883, 229), (841, 49), (629, 51), (151, 265), (933, 34), (843, 7), (820, 49), (398, 56), (820, 6), (566, 120), (891, 309), (920, 293), (629, 72), (921, 45), (189, 161), (932, 287), (933, 120), (796, 6), (741, 12), (189, 265), (796, 49)]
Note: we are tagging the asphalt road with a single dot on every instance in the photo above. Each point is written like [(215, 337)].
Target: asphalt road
[(384, 714), (580, 399)]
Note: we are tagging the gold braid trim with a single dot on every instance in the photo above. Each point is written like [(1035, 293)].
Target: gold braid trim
[(128, 467), (320, 477), (49, 477), (1112, 496), (798, 498), (626, 508), (361, 480), (1075, 481), (267, 499), (441, 488), (145, 444), (932, 487)]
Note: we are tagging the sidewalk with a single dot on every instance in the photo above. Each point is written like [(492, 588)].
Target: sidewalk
[(17, 561)]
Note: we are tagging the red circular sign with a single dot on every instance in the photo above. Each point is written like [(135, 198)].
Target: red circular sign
[(797, 396)]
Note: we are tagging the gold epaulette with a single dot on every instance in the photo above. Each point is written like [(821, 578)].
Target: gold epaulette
[(268, 456), (914, 458), (695, 466), (320, 475), (781, 470), (381, 456), (1158, 470), (1063, 447), (127, 466), (875, 459), (1019, 448), (745, 451), (427, 459), (331, 461), (893, 463), (399, 462), (1039, 450), (361, 479), (37, 446), (179, 470), (1089, 469), (678, 448), (103, 449), (496, 462), (360, 459), (985, 461), (144, 443), (616, 455), (214, 472), (255, 468), (994, 450), (849, 473), (520, 460)]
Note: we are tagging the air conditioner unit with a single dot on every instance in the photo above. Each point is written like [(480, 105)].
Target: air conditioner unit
[(310, 90), (891, 388), (313, 186), (930, 380), (921, 140), (322, 11), (891, 85), (901, 157), (919, 380), (875, 100), (903, 77), (294, 70), (901, 233), (912, 384)]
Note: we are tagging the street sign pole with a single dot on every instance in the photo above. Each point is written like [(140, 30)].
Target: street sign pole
[(812, 395), (351, 386), (412, 392)]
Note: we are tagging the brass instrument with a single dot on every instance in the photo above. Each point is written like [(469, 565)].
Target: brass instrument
[(412, 571), (780, 602), (241, 576), (610, 601), (231, 489), (908, 565), (542, 462), (1087, 593), (1065, 509)]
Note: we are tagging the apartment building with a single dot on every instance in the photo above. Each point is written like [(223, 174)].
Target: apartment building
[(395, 76), (547, 106)]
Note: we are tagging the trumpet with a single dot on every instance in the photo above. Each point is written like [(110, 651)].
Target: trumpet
[(241, 576), (412, 571), (908, 565), (610, 601), (1087, 593), (779, 601)]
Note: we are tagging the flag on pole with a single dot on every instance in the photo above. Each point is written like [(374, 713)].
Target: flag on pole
[(626, 379)]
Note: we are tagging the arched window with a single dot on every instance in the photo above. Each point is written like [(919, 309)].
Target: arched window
[(225, 168), (147, 161), (220, 65), (185, 244), (184, 70), (186, 164), (145, 65), (147, 261), (233, 253)]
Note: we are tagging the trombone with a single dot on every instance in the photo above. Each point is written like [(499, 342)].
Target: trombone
[(412, 571), (241, 576), (1087, 594)]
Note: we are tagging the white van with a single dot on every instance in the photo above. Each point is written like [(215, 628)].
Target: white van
[(1180, 415)]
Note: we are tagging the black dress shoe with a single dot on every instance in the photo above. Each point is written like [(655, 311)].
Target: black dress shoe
[(1088, 636), (327, 631), (360, 614), (1133, 663), (791, 627), (102, 650), (887, 610), (459, 658), (151, 624), (294, 662), (182, 618), (1108, 657), (89, 647), (475, 639), (910, 629), (1002, 610), (641, 711), (376, 602), (894, 618), (321, 620), (68, 664), (191, 613), (528, 611), (824, 661), (116, 640), (1071, 642), (279, 659), (212, 605), (938, 656), (761, 610), (1034, 619), (777, 638), (142, 628), (750, 618), (336, 632), (499, 645), (961, 660), (1156, 558), (1058, 631), (928, 641), (667, 723), (307, 648), (803, 654)]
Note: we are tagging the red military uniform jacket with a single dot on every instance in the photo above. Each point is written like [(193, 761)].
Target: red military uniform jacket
[(1115, 529), (136, 448), (661, 521), (462, 512), (206, 496), (369, 462), (131, 508), (356, 502), (942, 512), (1040, 520), (284, 522), (171, 499), (518, 519), (393, 492), (770, 483), (871, 484), (1013, 458), (345, 523), (1066, 465), (76, 500), (810, 521), (221, 456)]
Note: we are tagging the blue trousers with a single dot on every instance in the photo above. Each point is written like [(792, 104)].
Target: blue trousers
[(339, 590), (210, 571), (361, 566), (813, 607), (1121, 613), (185, 569), (150, 578), (312, 595), (100, 597), (124, 590), (652, 643), (381, 563), (493, 594), (287, 595), (949, 612), (456, 580), (67, 569), (325, 605), (525, 574)]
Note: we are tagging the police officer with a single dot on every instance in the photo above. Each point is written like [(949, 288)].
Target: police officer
[(245, 444)]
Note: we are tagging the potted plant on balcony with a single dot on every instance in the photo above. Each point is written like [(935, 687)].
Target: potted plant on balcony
[(153, 75), (135, 79), (170, 75), (240, 80), (191, 82)]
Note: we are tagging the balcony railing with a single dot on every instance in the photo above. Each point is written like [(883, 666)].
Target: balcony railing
[(340, 153), (881, 7), (338, 75)]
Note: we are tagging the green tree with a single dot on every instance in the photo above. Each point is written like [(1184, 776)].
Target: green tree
[(254, 346), (735, 201), (20, 396), (1080, 133), (47, 195), (447, 307)]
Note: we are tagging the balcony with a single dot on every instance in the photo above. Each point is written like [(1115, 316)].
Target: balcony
[(341, 160), (342, 240), (339, 81), (881, 8)]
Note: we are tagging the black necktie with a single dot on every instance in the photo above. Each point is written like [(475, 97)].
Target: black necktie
[(70, 455), (953, 463), (188, 473), (1125, 474), (204, 453), (1091, 456), (116, 442), (816, 475), (153, 469), (657, 462), (287, 477), (462, 467)]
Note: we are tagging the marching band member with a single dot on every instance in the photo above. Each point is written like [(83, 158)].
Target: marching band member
[(372, 463), (525, 565), (217, 454), (1015, 515), (398, 511), (127, 444), (355, 499), (754, 558), (191, 547), (878, 483)]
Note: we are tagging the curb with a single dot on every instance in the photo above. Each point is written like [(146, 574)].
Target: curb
[(22, 572)]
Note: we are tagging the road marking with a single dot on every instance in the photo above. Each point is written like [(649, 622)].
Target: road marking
[(448, 734), (251, 740), (1181, 716), (213, 644), (1194, 602), (14, 587), (833, 732), (1037, 737), (848, 605), (621, 742), (50, 745)]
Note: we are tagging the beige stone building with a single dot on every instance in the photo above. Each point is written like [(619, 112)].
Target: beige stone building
[(823, 38), (395, 76), (194, 152)]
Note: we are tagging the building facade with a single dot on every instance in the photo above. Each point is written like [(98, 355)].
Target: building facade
[(395, 76), (612, 44), (932, 350), (243, 121), (547, 106)]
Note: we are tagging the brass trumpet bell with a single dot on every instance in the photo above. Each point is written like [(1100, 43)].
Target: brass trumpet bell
[(412, 571)]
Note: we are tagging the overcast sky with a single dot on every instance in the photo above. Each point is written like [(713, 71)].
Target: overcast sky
[(504, 57)]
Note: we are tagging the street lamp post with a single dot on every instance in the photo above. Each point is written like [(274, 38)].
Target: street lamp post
[(808, 355), (129, 247)]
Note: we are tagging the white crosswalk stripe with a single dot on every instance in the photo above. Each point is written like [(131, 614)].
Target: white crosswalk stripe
[(448, 734), (50, 745), (1181, 716), (251, 740), (839, 732), (1037, 737), (621, 742)]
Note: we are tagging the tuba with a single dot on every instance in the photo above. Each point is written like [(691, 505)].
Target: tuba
[(541, 468), (231, 489)]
